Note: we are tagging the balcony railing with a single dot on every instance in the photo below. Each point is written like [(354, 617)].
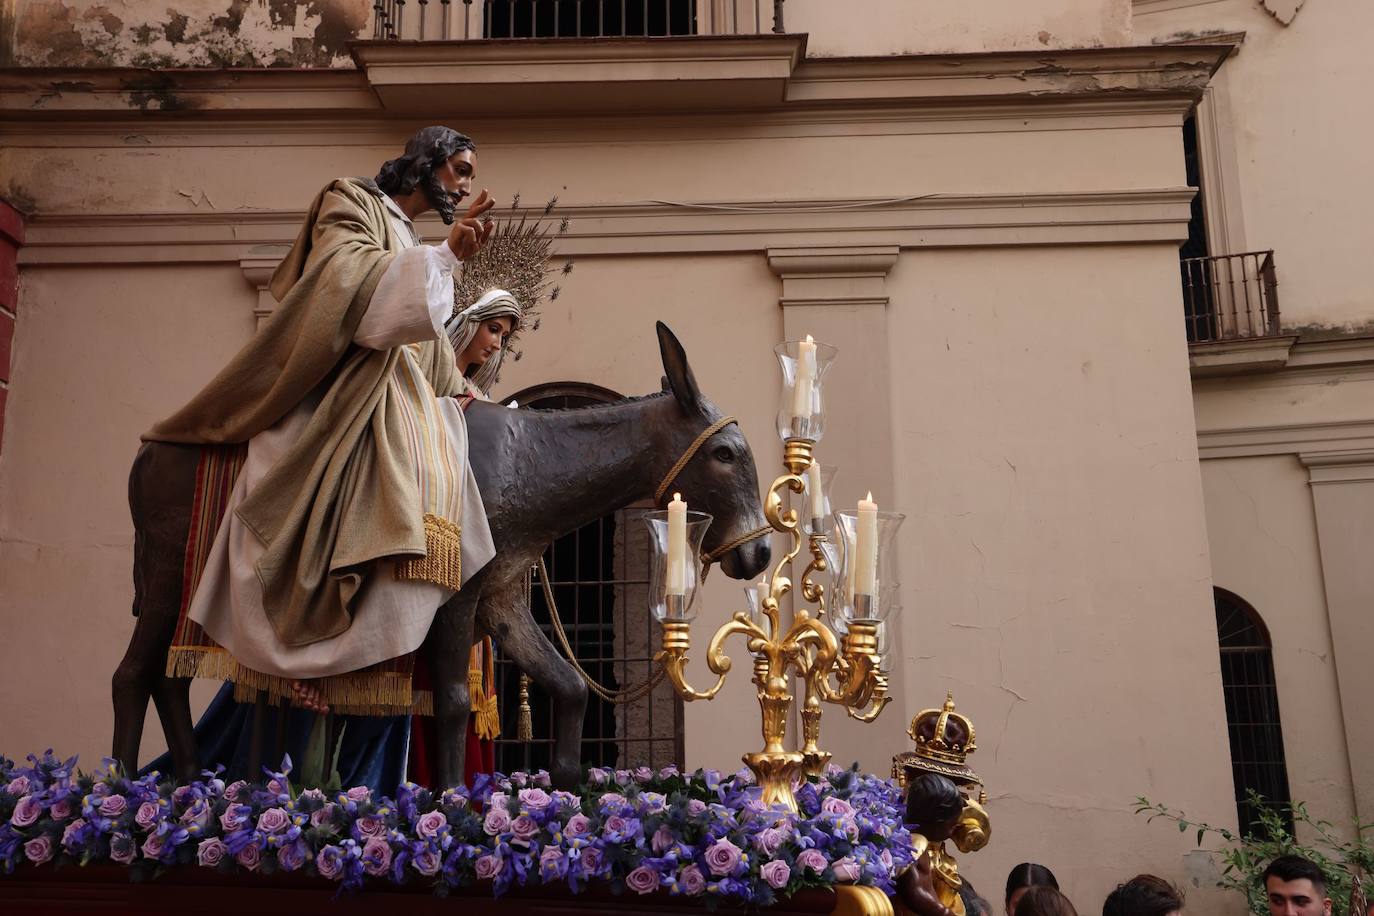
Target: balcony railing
[(430, 20), (1230, 296)]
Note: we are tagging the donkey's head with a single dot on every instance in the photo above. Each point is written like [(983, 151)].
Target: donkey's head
[(720, 478)]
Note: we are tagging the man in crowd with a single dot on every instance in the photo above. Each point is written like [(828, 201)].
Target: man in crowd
[(1296, 887), (1144, 895)]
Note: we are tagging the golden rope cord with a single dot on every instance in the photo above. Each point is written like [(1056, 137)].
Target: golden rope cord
[(688, 455)]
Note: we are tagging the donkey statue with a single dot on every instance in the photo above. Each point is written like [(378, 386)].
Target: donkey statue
[(541, 474)]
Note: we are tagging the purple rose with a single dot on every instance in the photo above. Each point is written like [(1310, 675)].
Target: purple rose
[(329, 863), (313, 796), (122, 848), (277, 787), (376, 856), (234, 817), (566, 800), (39, 849), (18, 785), (615, 824), (596, 776), (322, 816), (643, 774), (885, 857), (534, 799), (691, 880), (662, 840), (497, 821), (519, 779), (812, 860), (668, 772), (26, 812), (371, 826), (275, 820), (722, 857), (71, 836), (524, 827), (199, 814), (210, 852), (250, 857), (578, 826), (146, 816), (543, 780), (591, 861), (113, 806), (833, 805), (429, 825), (696, 807), (60, 810), (291, 856), (769, 840), (427, 862), (487, 867), (776, 873), (846, 869), (359, 794), (182, 795), (624, 777), (551, 863), (153, 846), (231, 792), (643, 880)]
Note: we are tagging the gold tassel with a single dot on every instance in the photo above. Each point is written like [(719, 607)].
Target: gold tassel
[(524, 726), (486, 719), (442, 563)]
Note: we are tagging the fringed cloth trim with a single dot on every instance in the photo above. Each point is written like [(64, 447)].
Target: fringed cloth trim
[(362, 693), (442, 563)]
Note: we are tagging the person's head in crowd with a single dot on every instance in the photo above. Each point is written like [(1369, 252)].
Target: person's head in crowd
[(1043, 901), (1295, 887), (1022, 878), (973, 904), (1144, 895)]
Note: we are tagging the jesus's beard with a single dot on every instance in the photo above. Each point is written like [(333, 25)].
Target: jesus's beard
[(441, 199)]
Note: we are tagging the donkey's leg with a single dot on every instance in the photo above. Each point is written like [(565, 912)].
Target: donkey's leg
[(448, 648), (525, 644)]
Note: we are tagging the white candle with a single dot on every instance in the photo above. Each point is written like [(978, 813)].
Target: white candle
[(806, 378), (677, 546), (764, 593), (866, 549), (813, 485)]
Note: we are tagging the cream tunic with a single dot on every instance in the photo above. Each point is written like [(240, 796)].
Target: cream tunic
[(391, 617)]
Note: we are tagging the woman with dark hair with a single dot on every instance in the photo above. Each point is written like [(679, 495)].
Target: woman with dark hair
[(1024, 877), (1043, 900)]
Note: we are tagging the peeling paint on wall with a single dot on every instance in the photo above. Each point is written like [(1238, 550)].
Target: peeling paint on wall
[(1282, 10), (185, 33)]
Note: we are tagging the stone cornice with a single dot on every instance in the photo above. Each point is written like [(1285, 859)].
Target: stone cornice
[(936, 220), (708, 75), (1305, 439)]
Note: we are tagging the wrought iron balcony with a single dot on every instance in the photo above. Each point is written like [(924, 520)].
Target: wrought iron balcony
[(431, 20), (1231, 297)]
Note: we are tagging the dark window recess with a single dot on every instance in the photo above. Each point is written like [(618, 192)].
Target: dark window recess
[(600, 576), (588, 18), (1199, 284), (1252, 709)]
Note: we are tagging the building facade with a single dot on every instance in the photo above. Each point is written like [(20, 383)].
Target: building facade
[(1075, 380)]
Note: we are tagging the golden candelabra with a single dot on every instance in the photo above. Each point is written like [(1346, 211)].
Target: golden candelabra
[(846, 672)]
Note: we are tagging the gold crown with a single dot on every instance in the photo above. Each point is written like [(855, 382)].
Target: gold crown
[(944, 739)]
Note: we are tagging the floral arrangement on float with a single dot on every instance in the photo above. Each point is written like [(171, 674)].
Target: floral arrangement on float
[(702, 834)]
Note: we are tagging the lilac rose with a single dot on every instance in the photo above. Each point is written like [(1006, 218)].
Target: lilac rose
[(643, 774), (250, 857), (231, 791), (579, 825), (691, 880), (39, 849), (832, 805), (696, 807), (371, 826), (113, 806), (70, 835), (359, 794), (427, 862), (322, 816), (122, 848), (812, 860), (551, 863), (430, 823), (722, 857), (487, 867), (275, 820), (662, 839), (543, 780), (153, 846), (597, 777), (182, 795), (846, 869), (376, 856), (497, 821), (329, 863), (313, 796), (534, 799), (60, 810), (147, 815), (524, 827), (26, 812), (592, 861), (776, 873), (769, 840), (291, 856), (613, 800), (211, 852), (643, 880), (234, 817), (18, 785)]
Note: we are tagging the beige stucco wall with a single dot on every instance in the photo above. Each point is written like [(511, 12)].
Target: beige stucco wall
[(1023, 347), (1303, 190)]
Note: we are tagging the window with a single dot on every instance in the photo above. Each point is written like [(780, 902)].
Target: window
[(600, 576), (1252, 708), (581, 18)]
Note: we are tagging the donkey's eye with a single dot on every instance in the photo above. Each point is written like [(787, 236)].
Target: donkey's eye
[(724, 454)]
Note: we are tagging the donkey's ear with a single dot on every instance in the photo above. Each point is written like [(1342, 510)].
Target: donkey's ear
[(678, 373)]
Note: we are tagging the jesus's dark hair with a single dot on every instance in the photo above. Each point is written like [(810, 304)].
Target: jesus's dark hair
[(430, 148)]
